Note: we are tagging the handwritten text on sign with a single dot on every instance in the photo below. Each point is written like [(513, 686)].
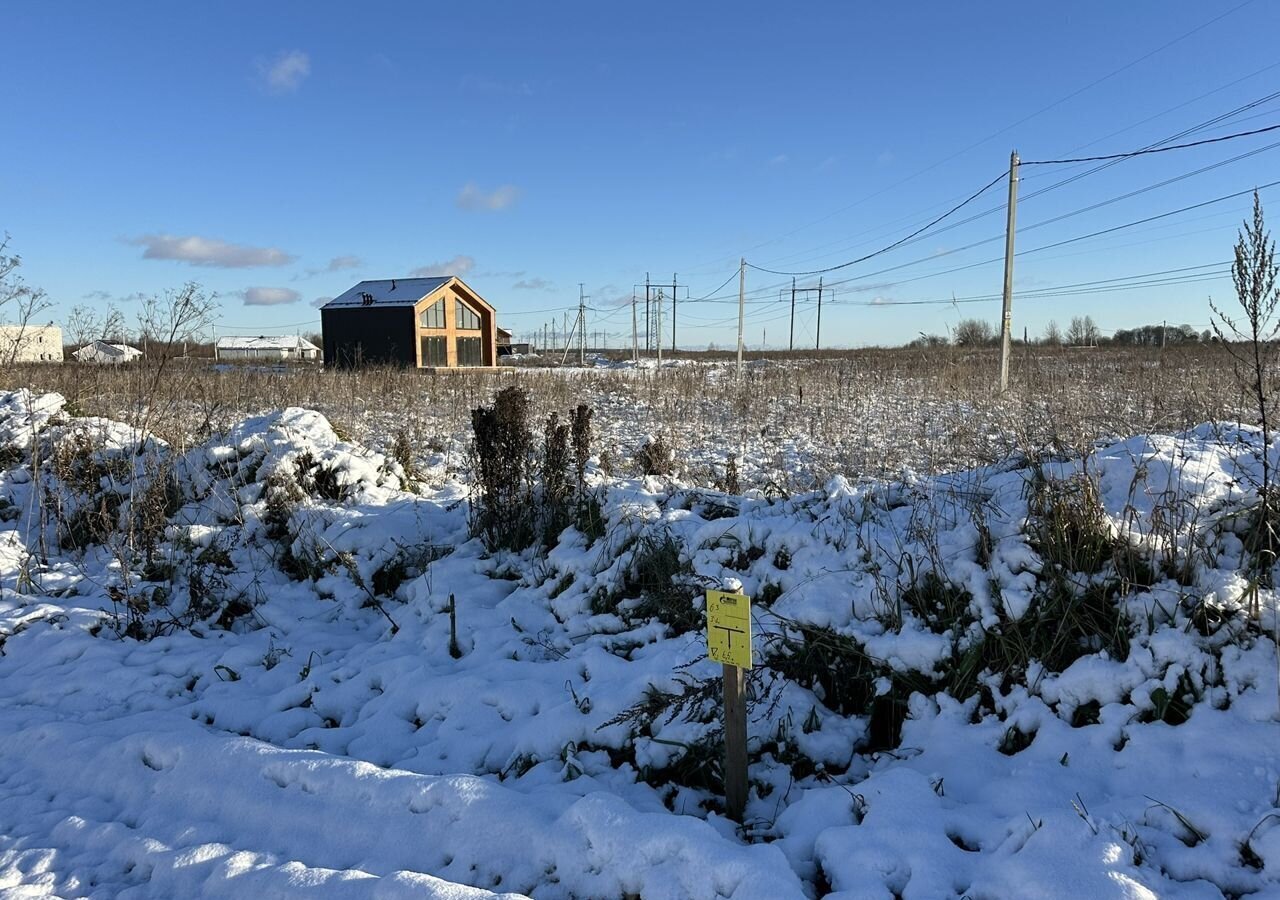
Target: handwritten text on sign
[(729, 628)]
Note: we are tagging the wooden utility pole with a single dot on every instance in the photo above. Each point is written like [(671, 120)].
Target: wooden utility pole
[(1006, 320), (742, 306), (635, 334), (791, 342), (817, 331)]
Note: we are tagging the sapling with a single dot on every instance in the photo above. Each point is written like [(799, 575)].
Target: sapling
[(1249, 342)]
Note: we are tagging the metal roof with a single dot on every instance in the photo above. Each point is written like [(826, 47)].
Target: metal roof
[(266, 342), (388, 292)]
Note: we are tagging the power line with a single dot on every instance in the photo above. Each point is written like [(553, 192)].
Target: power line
[(1148, 150), (1176, 107), (1163, 215), (1004, 130), (1201, 126), (1102, 285), (974, 196)]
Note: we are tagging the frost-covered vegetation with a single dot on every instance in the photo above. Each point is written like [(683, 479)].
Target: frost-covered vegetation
[(384, 635)]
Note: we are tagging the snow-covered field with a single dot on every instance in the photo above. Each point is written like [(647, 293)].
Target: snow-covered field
[(228, 671)]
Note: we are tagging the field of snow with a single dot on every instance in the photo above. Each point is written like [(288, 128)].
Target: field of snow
[(226, 669)]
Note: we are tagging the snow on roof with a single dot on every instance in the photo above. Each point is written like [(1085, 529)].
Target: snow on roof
[(266, 342), (389, 292), (110, 349)]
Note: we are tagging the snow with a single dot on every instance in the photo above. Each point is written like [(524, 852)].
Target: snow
[(304, 730)]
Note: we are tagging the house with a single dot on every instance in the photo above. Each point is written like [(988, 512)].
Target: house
[(102, 353), (271, 348), (508, 346), (30, 343), (425, 323)]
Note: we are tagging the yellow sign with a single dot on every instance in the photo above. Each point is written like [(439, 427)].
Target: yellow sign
[(729, 628)]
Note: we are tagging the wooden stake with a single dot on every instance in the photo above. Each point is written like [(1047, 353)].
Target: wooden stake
[(735, 742), (454, 650)]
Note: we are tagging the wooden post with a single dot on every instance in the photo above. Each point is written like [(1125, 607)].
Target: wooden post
[(735, 742)]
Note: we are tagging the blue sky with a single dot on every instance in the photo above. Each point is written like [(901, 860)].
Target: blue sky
[(277, 153)]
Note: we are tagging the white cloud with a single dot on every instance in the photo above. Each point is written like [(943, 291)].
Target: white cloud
[(337, 264), (269, 296), (460, 265), (474, 199), (533, 284), (203, 251), (320, 301), (779, 160), (285, 73)]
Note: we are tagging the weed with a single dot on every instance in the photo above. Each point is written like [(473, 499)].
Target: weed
[(654, 458)]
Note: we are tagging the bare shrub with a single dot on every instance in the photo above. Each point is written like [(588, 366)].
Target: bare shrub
[(654, 458), (1251, 345)]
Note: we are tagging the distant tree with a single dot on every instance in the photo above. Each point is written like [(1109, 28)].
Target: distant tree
[(1052, 335), (19, 303), (85, 325), (1083, 332), (972, 333), (930, 340)]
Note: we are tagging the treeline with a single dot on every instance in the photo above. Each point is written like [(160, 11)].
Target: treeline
[(1082, 331)]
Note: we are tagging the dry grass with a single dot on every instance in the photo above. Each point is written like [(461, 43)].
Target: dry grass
[(867, 412)]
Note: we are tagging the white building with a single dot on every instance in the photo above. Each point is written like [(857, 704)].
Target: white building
[(277, 348), (102, 353), (30, 343)]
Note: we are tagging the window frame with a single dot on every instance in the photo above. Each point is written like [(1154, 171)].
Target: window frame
[(469, 359), (464, 313), (431, 360), (439, 307)]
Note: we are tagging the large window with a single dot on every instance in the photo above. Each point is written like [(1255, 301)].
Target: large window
[(435, 351), (470, 352), (433, 315), (465, 317)]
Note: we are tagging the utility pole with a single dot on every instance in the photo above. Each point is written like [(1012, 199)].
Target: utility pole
[(635, 334), (647, 345), (673, 314), (659, 341), (791, 342), (582, 325), (817, 332), (742, 306), (1006, 321)]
